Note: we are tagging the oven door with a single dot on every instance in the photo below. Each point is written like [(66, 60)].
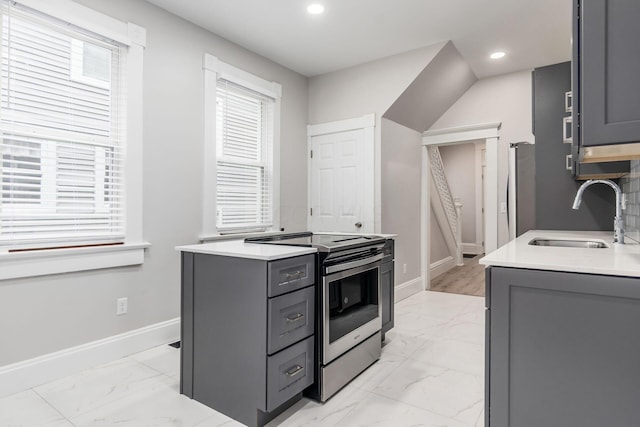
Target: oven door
[(351, 309)]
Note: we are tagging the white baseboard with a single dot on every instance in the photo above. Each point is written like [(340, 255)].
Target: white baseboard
[(472, 248), (29, 373), (406, 289), (442, 266)]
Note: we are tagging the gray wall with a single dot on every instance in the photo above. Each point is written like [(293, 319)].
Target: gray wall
[(401, 168), (505, 99), (45, 314), (555, 186), (460, 168)]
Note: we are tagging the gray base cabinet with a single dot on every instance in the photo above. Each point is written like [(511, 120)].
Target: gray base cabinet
[(563, 349), (247, 333)]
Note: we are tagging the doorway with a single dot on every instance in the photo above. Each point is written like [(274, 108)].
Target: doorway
[(341, 176), (463, 165), (486, 137)]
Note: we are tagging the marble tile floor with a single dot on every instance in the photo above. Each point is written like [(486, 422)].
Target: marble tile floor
[(430, 374)]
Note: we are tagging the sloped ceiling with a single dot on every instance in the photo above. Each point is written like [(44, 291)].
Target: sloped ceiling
[(433, 91)]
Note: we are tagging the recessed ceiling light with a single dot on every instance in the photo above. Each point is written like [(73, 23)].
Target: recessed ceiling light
[(315, 9), (497, 55)]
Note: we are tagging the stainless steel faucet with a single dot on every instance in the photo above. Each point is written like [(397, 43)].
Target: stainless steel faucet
[(618, 222)]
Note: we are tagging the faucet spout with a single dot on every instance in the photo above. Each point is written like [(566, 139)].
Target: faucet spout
[(618, 222)]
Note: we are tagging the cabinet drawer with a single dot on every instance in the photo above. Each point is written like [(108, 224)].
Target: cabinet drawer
[(289, 372), (289, 274), (290, 318)]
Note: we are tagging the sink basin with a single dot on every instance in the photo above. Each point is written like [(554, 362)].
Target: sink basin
[(567, 243)]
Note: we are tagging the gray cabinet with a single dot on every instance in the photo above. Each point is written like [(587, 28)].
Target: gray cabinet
[(387, 291), (606, 58), (247, 333), (563, 349)]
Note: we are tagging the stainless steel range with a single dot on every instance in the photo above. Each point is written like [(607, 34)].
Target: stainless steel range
[(348, 337)]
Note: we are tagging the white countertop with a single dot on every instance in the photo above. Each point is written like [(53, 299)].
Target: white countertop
[(240, 249), (616, 260)]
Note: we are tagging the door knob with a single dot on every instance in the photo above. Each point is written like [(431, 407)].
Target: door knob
[(358, 224)]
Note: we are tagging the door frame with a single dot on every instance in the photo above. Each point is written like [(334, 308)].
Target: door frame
[(367, 123), (490, 133), (480, 190)]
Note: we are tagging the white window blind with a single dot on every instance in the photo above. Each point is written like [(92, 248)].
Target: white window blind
[(244, 158), (61, 134)]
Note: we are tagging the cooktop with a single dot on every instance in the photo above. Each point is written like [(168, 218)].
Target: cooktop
[(324, 242)]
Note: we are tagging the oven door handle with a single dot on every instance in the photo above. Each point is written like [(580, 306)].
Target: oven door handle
[(347, 265)]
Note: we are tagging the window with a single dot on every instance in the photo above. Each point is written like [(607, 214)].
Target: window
[(70, 139), (242, 114), (62, 136)]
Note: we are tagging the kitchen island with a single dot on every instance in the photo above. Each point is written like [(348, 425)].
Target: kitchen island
[(264, 320), (247, 327), (562, 340)]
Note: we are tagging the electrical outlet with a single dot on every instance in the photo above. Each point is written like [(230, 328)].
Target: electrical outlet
[(122, 306), (404, 268)]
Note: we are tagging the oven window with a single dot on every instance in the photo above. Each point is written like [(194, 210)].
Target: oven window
[(353, 302)]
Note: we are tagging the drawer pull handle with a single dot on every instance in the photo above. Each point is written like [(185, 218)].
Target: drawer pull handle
[(295, 318), (293, 276), (294, 371)]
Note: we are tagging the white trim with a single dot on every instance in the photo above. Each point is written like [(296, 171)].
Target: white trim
[(241, 77), (377, 178), (209, 174), (442, 266), (479, 197), (56, 261), (275, 163), (491, 208), (366, 121), (408, 288), (489, 132), (513, 195), (213, 69), (461, 134), (425, 220), (133, 162), (29, 373), (87, 18), (472, 248)]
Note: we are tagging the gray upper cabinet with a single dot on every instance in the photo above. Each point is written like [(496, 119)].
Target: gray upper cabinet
[(606, 56)]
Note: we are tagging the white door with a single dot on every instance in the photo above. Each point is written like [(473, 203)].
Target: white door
[(341, 182)]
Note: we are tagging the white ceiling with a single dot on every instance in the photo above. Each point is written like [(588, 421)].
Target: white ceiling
[(351, 32)]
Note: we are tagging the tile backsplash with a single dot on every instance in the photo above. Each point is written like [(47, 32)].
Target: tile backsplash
[(631, 187)]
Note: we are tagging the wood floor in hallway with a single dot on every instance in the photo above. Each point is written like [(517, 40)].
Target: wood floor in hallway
[(467, 279)]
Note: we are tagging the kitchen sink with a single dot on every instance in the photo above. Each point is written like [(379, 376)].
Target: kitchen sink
[(568, 243)]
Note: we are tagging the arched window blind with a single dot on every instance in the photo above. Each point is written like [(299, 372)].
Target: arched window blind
[(62, 134), (244, 158)]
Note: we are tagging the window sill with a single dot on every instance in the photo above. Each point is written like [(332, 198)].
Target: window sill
[(14, 265), (236, 236)]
